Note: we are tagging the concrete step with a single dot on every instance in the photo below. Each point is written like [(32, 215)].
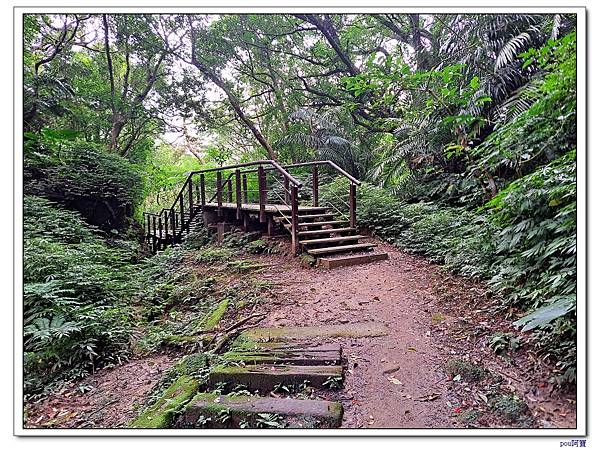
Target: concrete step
[(328, 355), (231, 411), (264, 377), (351, 260)]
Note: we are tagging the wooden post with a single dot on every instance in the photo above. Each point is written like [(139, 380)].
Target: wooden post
[(160, 233), (315, 184), (245, 188), (191, 198), (181, 218), (173, 225), (238, 194), (294, 230), (166, 220), (219, 195), (261, 194), (286, 185), (352, 204), (154, 234), (229, 191), (202, 190), (198, 192)]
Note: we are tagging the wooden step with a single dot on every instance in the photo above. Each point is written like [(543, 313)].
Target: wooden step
[(251, 410), (332, 239), (315, 224), (341, 249), (310, 216), (325, 231), (265, 377), (351, 260)]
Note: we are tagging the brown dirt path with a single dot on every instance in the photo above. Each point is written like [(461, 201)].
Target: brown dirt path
[(401, 380), (111, 401)]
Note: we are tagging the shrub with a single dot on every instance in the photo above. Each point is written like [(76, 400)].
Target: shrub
[(75, 286)]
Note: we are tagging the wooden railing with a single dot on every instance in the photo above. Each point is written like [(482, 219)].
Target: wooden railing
[(233, 184)]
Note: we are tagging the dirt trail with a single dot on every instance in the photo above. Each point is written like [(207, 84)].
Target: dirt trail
[(400, 380)]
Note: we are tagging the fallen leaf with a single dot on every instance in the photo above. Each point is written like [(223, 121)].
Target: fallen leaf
[(394, 380), (411, 349), (457, 378), (428, 397)]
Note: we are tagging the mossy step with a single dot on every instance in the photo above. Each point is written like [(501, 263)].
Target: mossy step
[(297, 356), (355, 330), (218, 411), (265, 377), (163, 411)]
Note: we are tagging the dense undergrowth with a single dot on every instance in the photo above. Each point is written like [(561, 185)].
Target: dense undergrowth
[(522, 240)]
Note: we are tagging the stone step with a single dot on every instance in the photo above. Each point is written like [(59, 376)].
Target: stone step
[(264, 377), (328, 356), (272, 336), (351, 260), (341, 249), (233, 411)]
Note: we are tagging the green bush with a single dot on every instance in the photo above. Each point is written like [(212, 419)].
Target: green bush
[(103, 187), (75, 288)]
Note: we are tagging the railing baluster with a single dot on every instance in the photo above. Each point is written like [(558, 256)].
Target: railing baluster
[(315, 184)]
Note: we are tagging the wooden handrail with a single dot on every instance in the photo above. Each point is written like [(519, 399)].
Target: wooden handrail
[(275, 165)]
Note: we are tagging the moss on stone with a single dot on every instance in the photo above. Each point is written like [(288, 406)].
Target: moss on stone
[(212, 319), (163, 411)]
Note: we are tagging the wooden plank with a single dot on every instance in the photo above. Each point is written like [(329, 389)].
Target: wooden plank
[(325, 231), (341, 249), (332, 239)]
